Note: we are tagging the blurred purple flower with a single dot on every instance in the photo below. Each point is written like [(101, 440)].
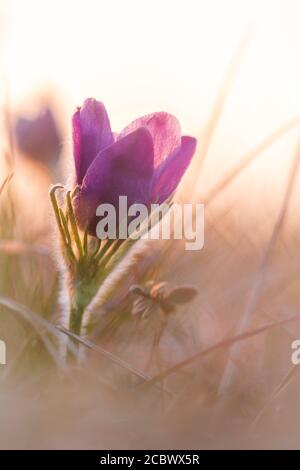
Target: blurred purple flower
[(39, 138), (145, 162)]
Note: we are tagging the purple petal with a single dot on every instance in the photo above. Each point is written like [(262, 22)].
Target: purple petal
[(165, 131), (168, 175), (123, 169), (91, 134)]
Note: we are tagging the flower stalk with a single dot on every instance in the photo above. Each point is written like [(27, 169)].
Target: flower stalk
[(87, 260)]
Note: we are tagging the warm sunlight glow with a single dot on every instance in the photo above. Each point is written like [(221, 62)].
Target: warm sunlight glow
[(143, 56), (135, 56)]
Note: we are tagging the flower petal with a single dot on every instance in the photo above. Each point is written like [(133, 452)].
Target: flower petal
[(165, 131), (123, 169), (91, 134), (168, 175)]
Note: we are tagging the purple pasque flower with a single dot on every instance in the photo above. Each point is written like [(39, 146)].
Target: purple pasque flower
[(39, 138), (145, 162)]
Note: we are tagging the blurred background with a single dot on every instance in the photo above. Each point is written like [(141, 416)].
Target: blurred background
[(230, 71), (163, 56)]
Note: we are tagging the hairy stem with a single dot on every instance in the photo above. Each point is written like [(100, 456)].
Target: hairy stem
[(75, 321), (75, 325), (82, 288)]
